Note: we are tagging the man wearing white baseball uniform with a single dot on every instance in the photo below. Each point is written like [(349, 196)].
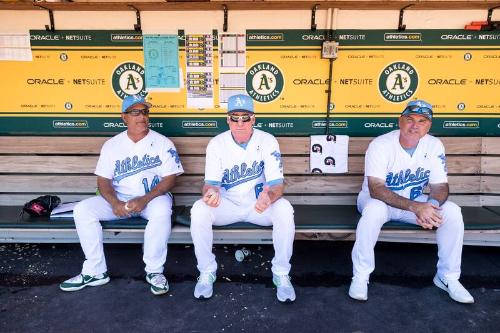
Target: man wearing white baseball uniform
[(243, 182), (135, 172), (398, 166)]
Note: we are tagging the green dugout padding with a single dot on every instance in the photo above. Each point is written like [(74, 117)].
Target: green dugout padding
[(346, 217), (494, 209), (10, 217), (306, 217)]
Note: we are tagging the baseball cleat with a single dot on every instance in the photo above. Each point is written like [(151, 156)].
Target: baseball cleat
[(205, 286), (158, 282), (81, 281), (284, 288), (454, 288), (358, 289)]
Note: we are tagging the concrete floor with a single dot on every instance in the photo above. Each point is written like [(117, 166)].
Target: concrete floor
[(401, 295)]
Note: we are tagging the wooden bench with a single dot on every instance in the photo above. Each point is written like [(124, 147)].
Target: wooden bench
[(324, 204)]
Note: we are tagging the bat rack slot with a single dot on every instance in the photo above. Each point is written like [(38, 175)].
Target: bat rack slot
[(137, 26), (313, 17), (401, 26), (52, 26)]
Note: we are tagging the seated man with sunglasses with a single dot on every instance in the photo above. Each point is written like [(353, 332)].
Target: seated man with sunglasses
[(243, 182), (135, 172), (398, 166)]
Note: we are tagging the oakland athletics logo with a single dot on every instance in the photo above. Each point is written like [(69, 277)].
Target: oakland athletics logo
[(264, 82), (128, 79), (398, 82)]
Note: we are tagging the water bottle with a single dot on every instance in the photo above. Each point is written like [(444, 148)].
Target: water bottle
[(241, 254)]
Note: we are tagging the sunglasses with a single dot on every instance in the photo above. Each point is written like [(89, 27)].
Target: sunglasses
[(418, 110), (245, 118), (136, 112)]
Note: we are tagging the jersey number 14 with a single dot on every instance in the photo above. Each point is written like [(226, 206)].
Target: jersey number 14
[(155, 182)]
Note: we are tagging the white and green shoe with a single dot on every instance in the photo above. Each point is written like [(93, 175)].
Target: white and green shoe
[(158, 282), (284, 289), (81, 281), (205, 286)]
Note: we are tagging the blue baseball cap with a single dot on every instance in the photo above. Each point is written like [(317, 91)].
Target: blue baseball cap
[(132, 100), (240, 103), (420, 107)]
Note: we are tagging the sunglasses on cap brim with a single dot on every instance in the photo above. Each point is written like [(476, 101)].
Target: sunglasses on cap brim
[(245, 118), (136, 112), (424, 111)]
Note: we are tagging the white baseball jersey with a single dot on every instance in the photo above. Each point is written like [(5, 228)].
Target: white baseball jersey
[(136, 167), (242, 172), (404, 174)]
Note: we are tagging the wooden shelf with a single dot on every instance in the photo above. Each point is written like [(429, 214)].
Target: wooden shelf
[(83, 5)]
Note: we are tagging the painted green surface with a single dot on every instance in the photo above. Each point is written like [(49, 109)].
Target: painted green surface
[(208, 126), (371, 38)]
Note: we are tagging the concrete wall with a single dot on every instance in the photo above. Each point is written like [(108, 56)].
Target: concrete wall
[(13, 21)]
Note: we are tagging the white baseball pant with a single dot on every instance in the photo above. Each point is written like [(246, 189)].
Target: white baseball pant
[(279, 215), (89, 212), (375, 213)]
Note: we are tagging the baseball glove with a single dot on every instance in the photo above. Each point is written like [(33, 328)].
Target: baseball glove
[(41, 206)]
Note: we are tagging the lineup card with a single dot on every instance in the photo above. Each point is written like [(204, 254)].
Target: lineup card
[(161, 62), (199, 71), (15, 47), (232, 61)]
